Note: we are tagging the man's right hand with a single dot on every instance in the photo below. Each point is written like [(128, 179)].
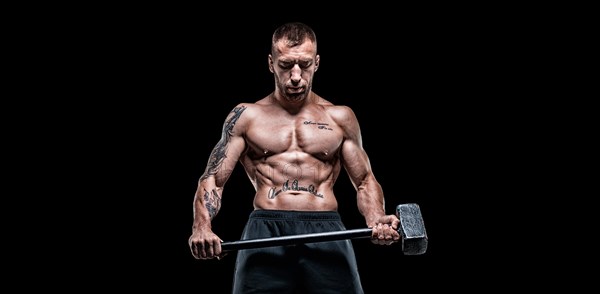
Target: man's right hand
[(205, 245)]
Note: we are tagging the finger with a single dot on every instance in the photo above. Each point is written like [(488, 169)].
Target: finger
[(390, 234), (374, 234), (197, 249), (381, 233), (209, 248), (202, 250), (387, 232), (216, 247), (194, 249), (391, 220), (396, 223)]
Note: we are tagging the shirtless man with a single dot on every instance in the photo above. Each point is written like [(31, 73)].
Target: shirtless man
[(292, 145)]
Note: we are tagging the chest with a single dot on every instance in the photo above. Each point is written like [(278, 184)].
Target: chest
[(314, 135)]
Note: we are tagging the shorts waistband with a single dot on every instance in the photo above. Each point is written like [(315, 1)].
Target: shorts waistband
[(296, 215)]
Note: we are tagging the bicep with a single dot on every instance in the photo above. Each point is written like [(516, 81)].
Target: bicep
[(355, 161), (226, 157), (354, 157), (228, 150)]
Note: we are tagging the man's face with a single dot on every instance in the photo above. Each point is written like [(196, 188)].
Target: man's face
[(294, 68)]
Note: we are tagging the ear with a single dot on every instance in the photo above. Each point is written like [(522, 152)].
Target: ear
[(270, 60), (317, 62)]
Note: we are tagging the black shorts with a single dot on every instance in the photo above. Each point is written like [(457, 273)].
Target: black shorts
[(321, 267)]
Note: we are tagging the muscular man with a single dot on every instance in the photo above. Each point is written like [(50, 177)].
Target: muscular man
[(292, 144)]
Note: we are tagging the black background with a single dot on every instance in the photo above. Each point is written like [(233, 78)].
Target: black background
[(429, 88)]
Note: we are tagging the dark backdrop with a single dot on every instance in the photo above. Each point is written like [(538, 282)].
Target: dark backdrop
[(425, 87)]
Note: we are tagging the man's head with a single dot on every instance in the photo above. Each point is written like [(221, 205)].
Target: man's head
[(293, 60)]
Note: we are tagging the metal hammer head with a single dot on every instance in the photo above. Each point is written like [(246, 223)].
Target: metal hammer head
[(412, 229)]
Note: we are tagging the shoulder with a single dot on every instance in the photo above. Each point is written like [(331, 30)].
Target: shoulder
[(345, 119), (246, 110), (252, 108), (235, 117), (237, 111), (341, 114), (337, 112), (242, 115)]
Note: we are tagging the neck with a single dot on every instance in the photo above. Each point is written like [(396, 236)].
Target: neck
[(293, 106)]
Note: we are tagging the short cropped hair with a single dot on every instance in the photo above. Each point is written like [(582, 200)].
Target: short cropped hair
[(294, 34)]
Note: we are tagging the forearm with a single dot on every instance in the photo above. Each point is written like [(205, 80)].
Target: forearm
[(207, 203), (370, 201)]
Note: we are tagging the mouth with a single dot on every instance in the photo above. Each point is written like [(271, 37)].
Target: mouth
[(295, 90)]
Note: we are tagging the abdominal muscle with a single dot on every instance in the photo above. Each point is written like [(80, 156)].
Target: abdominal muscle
[(276, 189), (298, 201)]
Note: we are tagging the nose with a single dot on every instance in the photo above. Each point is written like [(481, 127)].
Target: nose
[(296, 74)]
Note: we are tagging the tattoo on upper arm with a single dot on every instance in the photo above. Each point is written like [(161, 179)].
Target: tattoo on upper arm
[(219, 153), (212, 203)]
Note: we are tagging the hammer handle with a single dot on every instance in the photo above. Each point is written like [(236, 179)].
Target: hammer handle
[(296, 239)]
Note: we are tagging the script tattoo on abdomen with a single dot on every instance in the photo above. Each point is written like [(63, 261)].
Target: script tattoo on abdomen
[(273, 192), (213, 203), (219, 153)]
